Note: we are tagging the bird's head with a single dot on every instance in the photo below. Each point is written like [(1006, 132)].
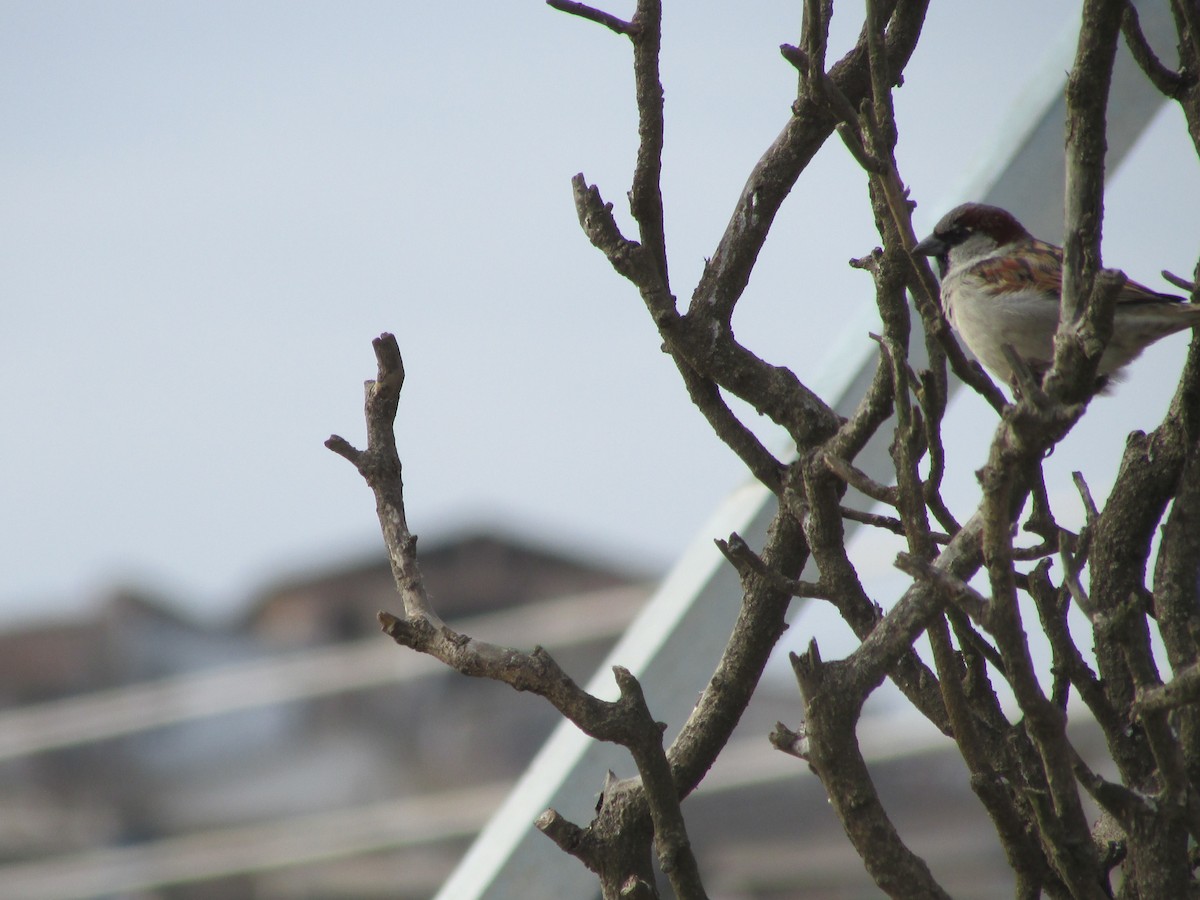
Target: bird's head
[(968, 233)]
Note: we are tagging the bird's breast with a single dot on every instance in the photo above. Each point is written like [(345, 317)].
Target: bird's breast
[(1026, 320)]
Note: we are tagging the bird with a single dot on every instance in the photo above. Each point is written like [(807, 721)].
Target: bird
[(1001, 285)]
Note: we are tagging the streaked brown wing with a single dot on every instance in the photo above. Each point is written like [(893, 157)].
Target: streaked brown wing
[(1038, 267)]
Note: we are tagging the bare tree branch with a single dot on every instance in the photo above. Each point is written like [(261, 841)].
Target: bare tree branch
[(1183, 690), (760, 624), (626, 721), (888, 523), (1169, 82), (831, 713), (1085, 289), (609, 21), (750, 566)]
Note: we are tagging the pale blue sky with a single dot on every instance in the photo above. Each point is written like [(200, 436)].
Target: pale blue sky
[(208, 211)]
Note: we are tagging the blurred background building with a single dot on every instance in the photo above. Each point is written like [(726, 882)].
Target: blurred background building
[(297, 752), (144, 752)]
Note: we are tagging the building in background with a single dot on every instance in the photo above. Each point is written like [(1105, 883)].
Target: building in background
[(299, 753), (262, 730)]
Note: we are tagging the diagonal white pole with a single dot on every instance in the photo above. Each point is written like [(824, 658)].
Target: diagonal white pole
[(672, 646)]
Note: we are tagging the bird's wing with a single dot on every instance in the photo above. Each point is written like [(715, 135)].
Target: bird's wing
[(1036, 268)]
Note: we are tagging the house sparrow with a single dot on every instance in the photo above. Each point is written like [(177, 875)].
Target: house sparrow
[(1001, 285)]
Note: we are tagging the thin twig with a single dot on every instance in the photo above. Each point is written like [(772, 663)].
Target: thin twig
[(958, 592), (860, 480), (887, 523), (1181, 690), (749, 563), (1090, 510), (1170, 83), (608, 20), (1182, 283)]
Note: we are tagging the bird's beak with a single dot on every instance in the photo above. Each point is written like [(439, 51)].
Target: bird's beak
[(931, 246)]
